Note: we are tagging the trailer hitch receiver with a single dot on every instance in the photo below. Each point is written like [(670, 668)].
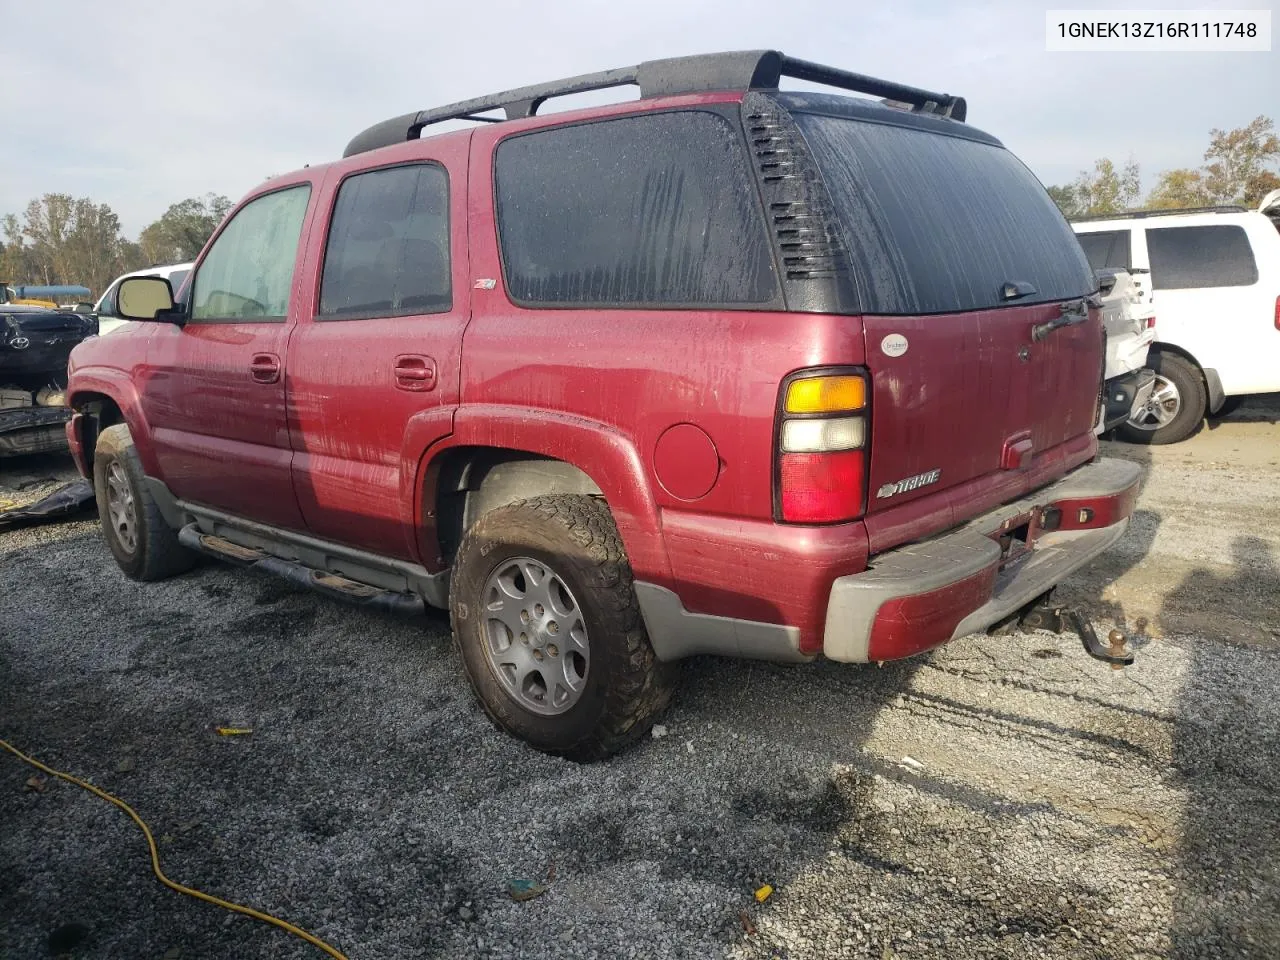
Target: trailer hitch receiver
[(1056, 618)]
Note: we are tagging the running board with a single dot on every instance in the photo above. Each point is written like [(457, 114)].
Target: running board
[(322, 581)]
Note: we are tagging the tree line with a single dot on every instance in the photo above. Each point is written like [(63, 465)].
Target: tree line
[(60, 239), (64, 239), (1237, 169)]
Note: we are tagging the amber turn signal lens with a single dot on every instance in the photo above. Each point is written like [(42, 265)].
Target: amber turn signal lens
[(826, 394)]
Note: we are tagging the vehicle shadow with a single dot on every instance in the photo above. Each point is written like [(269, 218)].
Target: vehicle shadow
[(1226, 737), (1256, 408)]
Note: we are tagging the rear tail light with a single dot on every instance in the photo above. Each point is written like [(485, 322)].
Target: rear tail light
[(821, 447), (1151, 321), (1278, 313)]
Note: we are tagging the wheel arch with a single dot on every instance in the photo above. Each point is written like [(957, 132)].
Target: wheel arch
[(472, 480), (1214, 395), (98, 411), (500, 454)]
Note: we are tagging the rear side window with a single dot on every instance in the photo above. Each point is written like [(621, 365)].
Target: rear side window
[(1210, 256), (388, 249), (248, 272), (1106, 249), (938, 224), (648, 210)]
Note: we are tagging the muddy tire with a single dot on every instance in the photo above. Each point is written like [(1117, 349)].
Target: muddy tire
[(145, 547), (548, 629), (1178, 403)]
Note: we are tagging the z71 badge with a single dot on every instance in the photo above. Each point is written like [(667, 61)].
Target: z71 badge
[(910, 483)]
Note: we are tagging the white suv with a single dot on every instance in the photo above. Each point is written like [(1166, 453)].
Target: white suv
[(1215, 276), (105, 308)]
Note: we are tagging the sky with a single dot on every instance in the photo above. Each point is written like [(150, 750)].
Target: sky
[(141, 104)]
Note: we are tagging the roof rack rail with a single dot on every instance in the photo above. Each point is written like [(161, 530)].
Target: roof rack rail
[(741, 70), (1144, 214)]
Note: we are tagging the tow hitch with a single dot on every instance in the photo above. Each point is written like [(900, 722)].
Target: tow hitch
[(1045, 614)]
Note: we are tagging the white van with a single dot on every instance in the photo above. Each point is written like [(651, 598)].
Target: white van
[(105, 308), (1215, 276)]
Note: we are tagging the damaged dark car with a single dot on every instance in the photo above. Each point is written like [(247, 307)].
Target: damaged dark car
[(34, 345)]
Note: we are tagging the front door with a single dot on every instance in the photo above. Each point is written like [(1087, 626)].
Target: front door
[(374, 361), (213, 390)]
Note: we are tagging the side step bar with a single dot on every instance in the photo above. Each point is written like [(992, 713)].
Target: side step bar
[(331, 584)]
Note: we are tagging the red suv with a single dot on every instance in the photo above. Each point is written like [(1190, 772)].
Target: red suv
[(723, 370)]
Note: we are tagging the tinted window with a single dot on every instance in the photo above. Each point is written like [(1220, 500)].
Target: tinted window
[(388, 251), (1210, 256), (656, 209), (938, 223), (175, 281), (1106, 249), (248, 273)]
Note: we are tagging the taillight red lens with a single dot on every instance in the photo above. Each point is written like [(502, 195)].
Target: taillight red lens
[(822, 487), (1151, 321)]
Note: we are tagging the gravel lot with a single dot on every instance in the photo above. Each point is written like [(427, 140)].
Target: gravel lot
[(1050, 806)]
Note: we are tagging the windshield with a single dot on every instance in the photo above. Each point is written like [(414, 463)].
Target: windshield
[(939, 224)]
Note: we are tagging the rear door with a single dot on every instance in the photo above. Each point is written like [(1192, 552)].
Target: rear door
[(1208, 288), (959, 254), (213, 389), (374, 361)]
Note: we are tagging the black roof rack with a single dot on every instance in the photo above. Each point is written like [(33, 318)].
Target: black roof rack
[(741, 70), (1143, 214)]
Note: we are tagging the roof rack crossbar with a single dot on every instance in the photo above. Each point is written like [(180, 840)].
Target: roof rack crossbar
[(742, 70), (922, 100), (1144, 214)]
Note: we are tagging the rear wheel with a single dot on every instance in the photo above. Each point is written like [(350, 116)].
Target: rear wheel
[(145, 547), (548, 629), (1176, 407)]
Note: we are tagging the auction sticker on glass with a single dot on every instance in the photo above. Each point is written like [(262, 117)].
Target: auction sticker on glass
[(1174, 31)]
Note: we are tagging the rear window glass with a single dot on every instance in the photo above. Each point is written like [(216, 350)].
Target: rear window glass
[(656, 209), (1106, 249), (1209, 256), (937, 224)]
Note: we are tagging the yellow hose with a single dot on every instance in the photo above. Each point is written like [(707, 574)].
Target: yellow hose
[(155, 859)]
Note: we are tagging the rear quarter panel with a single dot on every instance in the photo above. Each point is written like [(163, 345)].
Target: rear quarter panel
[(637, 373)]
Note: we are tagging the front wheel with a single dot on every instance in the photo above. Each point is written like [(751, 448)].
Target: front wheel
[(1176, 407), (145, 547), (548, 629)]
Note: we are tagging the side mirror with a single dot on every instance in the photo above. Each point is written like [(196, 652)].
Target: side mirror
[(1106, 282), (84, 307), (144, 298)]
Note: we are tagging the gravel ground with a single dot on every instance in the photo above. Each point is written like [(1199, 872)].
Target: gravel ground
[(1002, 797)]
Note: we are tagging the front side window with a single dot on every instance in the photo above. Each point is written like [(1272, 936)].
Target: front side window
[(175, 281), (388, 250), (1210, 256), (107, 305), (1106, 249), (657, 209), (248, 273)]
